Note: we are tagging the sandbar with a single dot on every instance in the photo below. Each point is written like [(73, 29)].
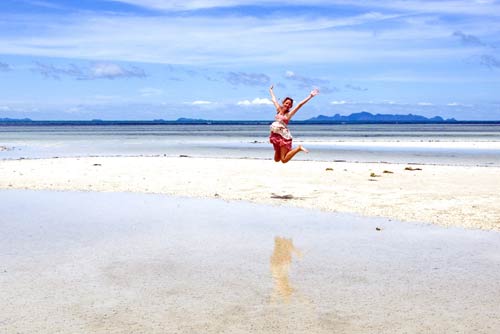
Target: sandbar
[(461, 196)]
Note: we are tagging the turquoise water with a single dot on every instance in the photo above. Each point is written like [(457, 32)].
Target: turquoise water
[(455, 144)]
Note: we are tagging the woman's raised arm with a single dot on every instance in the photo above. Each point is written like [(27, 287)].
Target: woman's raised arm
[(313, 93), (273, 97)]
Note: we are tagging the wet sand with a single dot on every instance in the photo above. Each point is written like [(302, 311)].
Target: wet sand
[(89, 262), (465, 196)]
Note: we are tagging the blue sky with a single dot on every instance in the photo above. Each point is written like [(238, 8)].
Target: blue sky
[(215, 59)]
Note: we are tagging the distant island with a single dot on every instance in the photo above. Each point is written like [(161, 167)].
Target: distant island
[(355, 118), (366, 117)]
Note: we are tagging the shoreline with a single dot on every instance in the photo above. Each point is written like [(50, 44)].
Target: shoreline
[(462, 196), (259, 158)]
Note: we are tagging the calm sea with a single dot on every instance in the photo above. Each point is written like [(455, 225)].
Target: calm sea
[(454, 144)]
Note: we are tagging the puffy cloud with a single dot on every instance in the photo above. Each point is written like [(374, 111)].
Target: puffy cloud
[(201, 102), (356, 88), (456, 104), (5, 67), (489, 61), (54, 72), (248, 79), (91, 72), (468, 39), (309, 83), (256, 101), (113, 71)]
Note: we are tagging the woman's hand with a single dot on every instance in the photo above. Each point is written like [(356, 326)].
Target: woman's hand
[(315, 92), (271, 88)]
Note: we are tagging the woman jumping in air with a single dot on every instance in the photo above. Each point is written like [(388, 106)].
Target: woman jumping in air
[(281, 137)]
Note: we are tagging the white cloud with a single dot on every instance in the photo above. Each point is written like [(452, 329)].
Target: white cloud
[(5, 108), (106, 70), (261, 101), (205, 40), (339, 102), (177, 5), (91, 72), (424, 104), (411, 6), (456, 104), (201, 102), (256, 101), (111, 71)]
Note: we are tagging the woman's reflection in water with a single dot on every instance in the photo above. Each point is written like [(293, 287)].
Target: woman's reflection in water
[(280, 267)]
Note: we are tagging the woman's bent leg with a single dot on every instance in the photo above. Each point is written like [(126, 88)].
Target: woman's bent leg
[(277, 155), (287, 155)]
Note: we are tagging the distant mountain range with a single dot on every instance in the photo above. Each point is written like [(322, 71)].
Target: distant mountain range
[(366, 117)]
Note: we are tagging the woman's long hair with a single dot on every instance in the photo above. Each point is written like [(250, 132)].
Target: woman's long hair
[(288, 98)]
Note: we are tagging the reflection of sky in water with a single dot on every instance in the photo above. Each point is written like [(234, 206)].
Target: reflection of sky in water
[(80, 262)]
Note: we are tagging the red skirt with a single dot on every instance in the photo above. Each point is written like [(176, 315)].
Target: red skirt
[(279, 142)]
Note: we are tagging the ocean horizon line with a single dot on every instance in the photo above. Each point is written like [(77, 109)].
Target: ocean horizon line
[(362, 117), (27, 122)]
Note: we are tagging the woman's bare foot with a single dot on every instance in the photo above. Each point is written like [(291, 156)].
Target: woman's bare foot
[(303, 149)]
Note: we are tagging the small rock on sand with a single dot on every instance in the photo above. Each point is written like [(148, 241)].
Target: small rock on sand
[(287, 196)]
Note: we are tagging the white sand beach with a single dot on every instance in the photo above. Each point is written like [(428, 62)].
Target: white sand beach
[(461, 196)]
